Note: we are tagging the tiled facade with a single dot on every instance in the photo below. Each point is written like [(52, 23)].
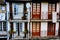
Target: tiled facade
[(39, 18)]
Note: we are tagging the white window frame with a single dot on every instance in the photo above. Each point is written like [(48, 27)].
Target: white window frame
[(20, 30), (3, 27), (0, 26), (17, 5), (20, 27)]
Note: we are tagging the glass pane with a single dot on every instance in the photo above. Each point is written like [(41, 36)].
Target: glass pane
[(38, 27), (49, 8), (38, 7), (53, 7), (0, 7), (34, 27), (15, 9), (34, 8), (4, 26), (20, 27), (17, 24), (0, 26)]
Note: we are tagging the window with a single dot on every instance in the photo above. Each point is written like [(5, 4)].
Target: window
[(2, 9), (20, 27), (51, 8), (3, 26), (0, 26), (17, 24), (51, 27), (18, 8), (15, 9), (36, 26), (36, 10)]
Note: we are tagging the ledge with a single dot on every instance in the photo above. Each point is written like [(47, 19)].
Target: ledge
[(18, 20), (32, 20)]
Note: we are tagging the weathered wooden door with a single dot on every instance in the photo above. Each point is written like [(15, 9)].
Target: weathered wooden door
[(36, 12), (51, 29), (36, 28)]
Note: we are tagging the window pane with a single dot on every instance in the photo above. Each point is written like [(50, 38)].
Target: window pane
[(17, 24), (49, 9), (0, 26), (34, 27), (15, 9), (53, 7), (34, 8), (4, 26), (20, 27), (0, 9), (38, 8)]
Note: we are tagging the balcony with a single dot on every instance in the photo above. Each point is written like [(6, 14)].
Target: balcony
[(3, 34), (17, 16), (45, 17)]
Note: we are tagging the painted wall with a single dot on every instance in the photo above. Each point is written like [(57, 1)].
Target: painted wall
[(44, 10)]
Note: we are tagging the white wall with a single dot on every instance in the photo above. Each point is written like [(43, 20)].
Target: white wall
[(44, 10), (44, 26)]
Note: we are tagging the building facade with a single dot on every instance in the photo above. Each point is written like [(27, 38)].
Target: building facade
[(3, 28), (36, 18)]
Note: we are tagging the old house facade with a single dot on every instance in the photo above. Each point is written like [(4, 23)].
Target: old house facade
[(37, 18)]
